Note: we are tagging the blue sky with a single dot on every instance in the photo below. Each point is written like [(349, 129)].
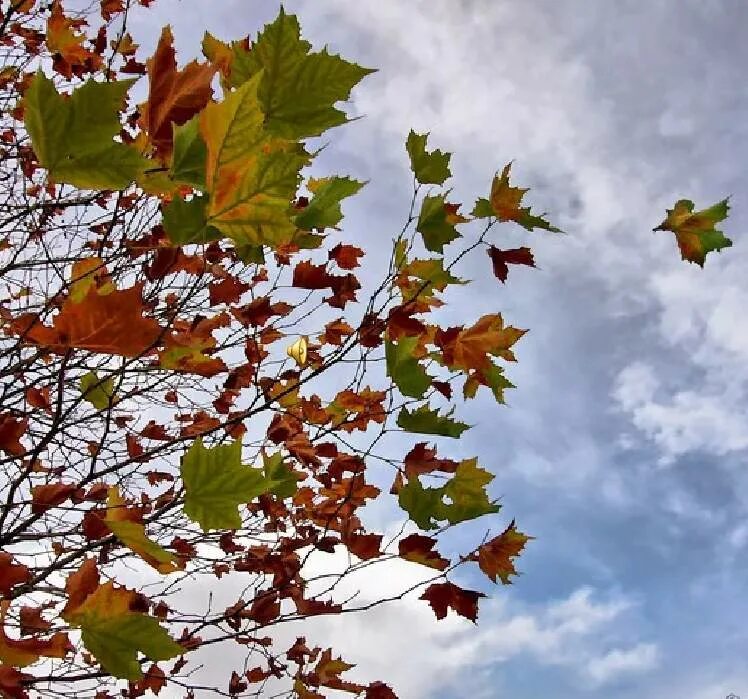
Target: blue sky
[(623, 449)]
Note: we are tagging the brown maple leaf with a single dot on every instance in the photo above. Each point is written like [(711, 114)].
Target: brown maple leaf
[(173, 96)]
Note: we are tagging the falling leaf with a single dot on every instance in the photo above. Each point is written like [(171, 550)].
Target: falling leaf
[(696, 232)]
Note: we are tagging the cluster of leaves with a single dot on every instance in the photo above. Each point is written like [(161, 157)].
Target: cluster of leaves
[(160, 258), (179, 305)]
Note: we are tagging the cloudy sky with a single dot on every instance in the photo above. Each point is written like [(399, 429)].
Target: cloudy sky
[(623, 449)]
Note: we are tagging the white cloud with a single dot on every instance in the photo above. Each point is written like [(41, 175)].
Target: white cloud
[(618, 662)]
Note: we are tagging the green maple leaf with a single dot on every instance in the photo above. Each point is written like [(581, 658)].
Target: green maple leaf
[(190, 154), (433, 275), (696, 232), (72, 138), (114, 642), (409, 376), (436, 222), (465, 491), (298, 88), (323, 211), (424, 420), (252, 177), (97, 393), (114, 634), (428, 167), (216, 483), (186, 221), (280, 474)]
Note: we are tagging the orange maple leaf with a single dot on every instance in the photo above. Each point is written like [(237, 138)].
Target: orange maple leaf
[(469, 348), (110, 323)]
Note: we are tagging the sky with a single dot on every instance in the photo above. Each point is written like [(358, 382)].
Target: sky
[(623, 448)]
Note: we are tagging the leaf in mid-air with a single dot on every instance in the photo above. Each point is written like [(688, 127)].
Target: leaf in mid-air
[(437, 222), (126, 525), (96, 391), (72, 137), (428, 167), (424, 420), (323, 211), (403, 368), (299, 89), (216, 483), (110, 630), (696, 231), (504, 203)]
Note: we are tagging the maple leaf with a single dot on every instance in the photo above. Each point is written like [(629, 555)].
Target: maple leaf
[(428, 167), (98, 392), (443, 596), (190, 154), (11, 574), (696, 232), (298, 88), (251, 176), (186, 221), (11, 431), (72, 137), (419, 549), (495, 556), (216, 483), (12, 682), (345, 256), (27, 651), (108, 323), (45, 497), (470, 348), (424, 420), (502, 258), (125, 524), (409, 376), (504, 203), (466, 492), (66, 42), (323, 211), (174, 97), (437, 222), (110, 630)]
